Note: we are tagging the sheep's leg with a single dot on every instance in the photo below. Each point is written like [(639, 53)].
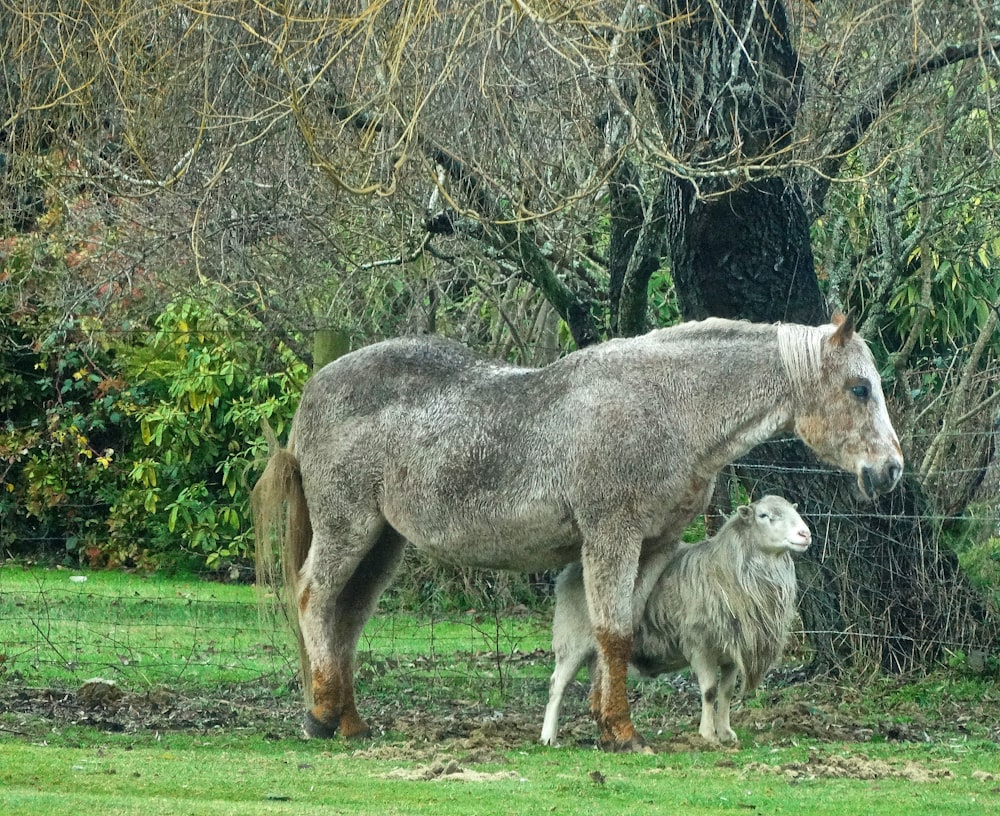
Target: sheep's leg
[(568, 663), (706, 670), (594, 672), (727, 685)]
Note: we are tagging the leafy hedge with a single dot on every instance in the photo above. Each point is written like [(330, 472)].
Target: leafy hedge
[(136, 448)]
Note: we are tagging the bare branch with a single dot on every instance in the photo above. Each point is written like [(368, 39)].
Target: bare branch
[(882, 97)]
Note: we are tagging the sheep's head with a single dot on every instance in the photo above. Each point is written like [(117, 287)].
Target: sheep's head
[(776, 525)]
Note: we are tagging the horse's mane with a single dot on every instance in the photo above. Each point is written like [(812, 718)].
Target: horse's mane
[(801, 350), (711, 328)]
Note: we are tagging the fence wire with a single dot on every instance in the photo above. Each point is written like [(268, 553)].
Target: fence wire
[(472, 631)]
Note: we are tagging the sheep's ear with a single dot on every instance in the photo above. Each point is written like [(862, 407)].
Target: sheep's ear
[(745, 511), (845, 329)]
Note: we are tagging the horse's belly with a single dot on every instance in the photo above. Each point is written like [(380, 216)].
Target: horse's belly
[(524, 545)]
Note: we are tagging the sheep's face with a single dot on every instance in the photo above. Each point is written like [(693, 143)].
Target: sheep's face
[(777, 526)]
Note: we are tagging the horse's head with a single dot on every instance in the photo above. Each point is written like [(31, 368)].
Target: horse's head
[(843, 417)]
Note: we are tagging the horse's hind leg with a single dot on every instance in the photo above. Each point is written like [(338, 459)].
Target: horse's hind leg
[(339, 588)]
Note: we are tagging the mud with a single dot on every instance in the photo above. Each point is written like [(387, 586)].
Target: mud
[(467, 742)]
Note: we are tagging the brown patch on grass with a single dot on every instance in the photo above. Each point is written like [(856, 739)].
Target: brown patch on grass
[(448, 770), (852, 766)]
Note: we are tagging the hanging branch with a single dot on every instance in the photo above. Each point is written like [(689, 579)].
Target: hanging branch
[(869, 111)]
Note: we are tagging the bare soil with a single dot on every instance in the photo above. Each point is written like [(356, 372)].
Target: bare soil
[(415, 728), (465, 742)]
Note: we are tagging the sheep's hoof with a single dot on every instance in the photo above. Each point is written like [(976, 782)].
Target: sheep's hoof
[(314, 728)]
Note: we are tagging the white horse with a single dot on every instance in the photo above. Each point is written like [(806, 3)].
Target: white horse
[(603, 456)]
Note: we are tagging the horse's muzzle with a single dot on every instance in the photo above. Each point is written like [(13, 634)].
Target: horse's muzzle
[(876, 482)]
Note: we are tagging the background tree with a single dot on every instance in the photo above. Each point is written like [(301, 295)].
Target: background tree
[(532, 176)]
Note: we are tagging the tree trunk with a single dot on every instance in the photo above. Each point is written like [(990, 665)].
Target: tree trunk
[(876, 588), (747, 255)]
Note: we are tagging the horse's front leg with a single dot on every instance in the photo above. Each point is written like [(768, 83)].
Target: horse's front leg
[(618, 734), (609, 573)]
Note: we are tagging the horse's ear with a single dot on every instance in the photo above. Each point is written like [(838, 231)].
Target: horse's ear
[(845, 329)]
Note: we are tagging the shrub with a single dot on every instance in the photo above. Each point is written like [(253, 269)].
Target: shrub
[(140, 450)]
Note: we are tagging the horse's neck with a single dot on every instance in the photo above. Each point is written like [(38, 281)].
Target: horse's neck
[(752, 405)]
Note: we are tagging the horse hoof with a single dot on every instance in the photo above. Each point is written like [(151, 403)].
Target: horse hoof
[(315, 728), (634, 745), (358, 731)]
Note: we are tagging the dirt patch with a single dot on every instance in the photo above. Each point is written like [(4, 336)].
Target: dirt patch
[(425, 730), (851, 766), (449, 770), (99, 704)]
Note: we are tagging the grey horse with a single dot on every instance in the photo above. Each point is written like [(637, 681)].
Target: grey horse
[(603, 456)]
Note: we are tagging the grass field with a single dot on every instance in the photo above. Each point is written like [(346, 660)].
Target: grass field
[(250, 777), (205, 721), (57, 630)]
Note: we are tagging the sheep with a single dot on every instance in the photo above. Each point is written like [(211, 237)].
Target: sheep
[(722, 606)]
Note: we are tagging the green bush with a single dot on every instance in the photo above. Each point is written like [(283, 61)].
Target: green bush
[(197, 414), (136, 450)]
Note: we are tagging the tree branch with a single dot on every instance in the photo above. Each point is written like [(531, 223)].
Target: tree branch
[(870, 110)]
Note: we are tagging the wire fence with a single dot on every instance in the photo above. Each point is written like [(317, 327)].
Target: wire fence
[(474, 630)]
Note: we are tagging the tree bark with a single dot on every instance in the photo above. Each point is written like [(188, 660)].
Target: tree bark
[(877, 590), (747, 255)]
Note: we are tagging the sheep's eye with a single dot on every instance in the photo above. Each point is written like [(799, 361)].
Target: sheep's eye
[(762, 515)]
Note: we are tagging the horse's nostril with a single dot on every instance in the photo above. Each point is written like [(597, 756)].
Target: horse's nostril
[(895, 471)]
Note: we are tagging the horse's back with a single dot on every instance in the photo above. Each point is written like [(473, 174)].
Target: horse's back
[(381, 375), (454, 450)]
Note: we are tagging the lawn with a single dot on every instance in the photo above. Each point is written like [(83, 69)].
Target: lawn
[(204, 720), (227, 775), (60, 627)]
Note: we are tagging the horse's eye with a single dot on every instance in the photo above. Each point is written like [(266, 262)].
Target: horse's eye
[(862, 391)]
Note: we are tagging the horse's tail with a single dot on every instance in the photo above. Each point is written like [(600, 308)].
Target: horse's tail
[(281, 522)]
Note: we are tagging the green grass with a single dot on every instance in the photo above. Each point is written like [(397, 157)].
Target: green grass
[(138, 631), (228, 776), (208, 639), (149, 631)]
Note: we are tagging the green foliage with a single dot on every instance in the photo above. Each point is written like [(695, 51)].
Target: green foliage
[(197, 414), (929, 270), (138, 450), (60, 430), (976, 540), (981, 562), (962, 286), (663, 299)]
